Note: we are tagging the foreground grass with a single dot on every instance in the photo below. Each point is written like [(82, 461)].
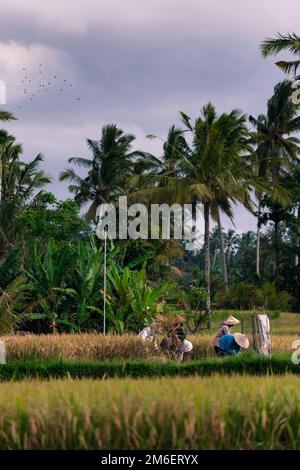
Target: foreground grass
[(184, 413), (250, 364)]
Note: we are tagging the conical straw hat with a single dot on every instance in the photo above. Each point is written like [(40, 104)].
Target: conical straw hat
[(241, 340), (231, 321), (178, 319)]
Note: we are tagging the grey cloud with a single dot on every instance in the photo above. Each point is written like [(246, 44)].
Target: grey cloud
[(138, 63)]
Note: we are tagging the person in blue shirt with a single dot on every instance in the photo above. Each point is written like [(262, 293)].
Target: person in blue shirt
[(225, 329), (232, 344)]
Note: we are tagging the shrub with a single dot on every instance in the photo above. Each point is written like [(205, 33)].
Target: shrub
[(243, 296), (274, 315), (272, 299)]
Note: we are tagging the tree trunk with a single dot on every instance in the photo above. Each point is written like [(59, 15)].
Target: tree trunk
[(207, 263), (224, 263), (276, 255), (215, 255), (298, 251), (258, 240), (1, 171), (298, 236)]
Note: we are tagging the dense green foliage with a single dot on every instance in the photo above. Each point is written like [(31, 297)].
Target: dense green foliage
[(52, 262)]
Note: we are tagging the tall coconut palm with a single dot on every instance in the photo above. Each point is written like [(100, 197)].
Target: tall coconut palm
[(276, 149), (217, 172), (289, 42), (152, 174), (212, 171), (110, 164), (231, 239), (148, 182)]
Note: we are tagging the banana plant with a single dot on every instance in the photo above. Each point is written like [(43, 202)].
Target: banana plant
[(132, 300), (86, 282), (48, 274), (85, 290)]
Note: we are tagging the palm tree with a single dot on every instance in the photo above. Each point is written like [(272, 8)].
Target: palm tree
[(217, 172), (290, 42), (231, 240), (150, 175), (276, 149), (110, 165), (213, 171), (20, 185), (173, 150), (150, 171)]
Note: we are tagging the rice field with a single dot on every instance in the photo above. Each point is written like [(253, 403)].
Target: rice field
[(284, 330), (208, 412), (187, 413), (109, 347)]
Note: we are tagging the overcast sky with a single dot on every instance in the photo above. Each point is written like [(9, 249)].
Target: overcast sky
[(136, 63)]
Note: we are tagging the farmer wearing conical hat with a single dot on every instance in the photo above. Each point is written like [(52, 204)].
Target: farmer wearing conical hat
[(184, 346), (175, 342), (232, 344), (224, 330)]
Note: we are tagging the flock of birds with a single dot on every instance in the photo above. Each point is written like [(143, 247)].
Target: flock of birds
[(33, 88)]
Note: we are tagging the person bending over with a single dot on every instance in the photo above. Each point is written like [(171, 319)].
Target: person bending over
[(224, 330), (233, 344), (175, 343), (149, 335)]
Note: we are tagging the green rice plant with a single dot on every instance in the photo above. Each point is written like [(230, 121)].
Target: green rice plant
[(183, 413), (250, 364)]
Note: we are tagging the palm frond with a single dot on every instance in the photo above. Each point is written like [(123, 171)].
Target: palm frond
[(272, 46), (81, 162), (288, 67), (6, 116)]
